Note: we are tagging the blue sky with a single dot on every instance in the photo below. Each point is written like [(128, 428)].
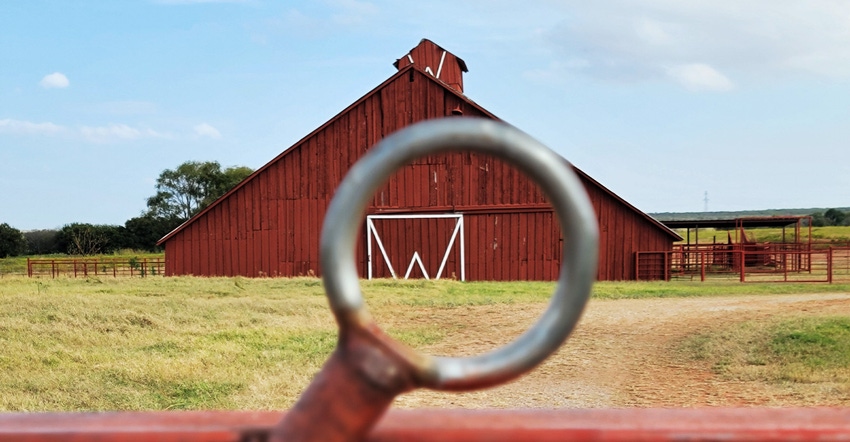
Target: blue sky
[(659, 100)]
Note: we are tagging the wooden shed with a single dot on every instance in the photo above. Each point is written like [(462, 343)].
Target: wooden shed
[(462, 215)]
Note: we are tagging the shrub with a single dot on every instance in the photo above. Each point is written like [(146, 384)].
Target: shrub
[(12, 241)]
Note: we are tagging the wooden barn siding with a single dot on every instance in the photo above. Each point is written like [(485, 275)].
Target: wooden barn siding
[(622, 232), (428, 55), (271, 225)]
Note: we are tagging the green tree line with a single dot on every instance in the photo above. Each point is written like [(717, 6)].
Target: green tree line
[(831, 217), (180, 194)]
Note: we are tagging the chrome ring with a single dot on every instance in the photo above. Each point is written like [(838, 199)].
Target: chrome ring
[(548, 170)]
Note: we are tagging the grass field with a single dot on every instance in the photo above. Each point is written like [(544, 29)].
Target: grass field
[(237, 343), (772, 234)]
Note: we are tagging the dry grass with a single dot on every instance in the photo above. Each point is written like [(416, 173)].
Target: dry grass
[(158, 343), (226, 343), (194, 343)]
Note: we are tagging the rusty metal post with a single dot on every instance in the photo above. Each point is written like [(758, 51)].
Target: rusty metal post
[(742, 262), (782, 261), (829, 265), (352, 391)]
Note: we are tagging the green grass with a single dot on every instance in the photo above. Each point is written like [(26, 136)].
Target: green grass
[(227, 343), (797, 350), (812, 349)]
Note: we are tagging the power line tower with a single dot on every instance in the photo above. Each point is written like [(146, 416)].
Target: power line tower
[(705, 200)]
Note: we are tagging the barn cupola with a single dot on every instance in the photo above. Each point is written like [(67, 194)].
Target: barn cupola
[(436, 61)]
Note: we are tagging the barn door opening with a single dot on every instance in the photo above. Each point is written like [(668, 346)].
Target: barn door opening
[(429, 246)]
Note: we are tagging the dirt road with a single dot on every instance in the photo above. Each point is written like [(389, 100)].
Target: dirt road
[(620, 355)]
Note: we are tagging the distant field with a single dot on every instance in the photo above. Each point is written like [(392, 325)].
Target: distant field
[(774, 235), (237, 343)]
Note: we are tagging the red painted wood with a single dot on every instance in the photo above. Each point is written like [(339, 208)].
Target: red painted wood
[(283, 240), (728, 424)]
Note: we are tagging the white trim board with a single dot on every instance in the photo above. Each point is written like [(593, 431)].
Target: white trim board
[(457, 236)]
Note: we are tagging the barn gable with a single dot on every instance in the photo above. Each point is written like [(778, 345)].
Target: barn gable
[(434, 60), (269, 224)]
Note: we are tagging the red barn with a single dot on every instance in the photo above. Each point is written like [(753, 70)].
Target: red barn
[(461, 215)]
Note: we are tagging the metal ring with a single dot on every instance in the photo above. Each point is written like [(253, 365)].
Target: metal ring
[(550, 172)]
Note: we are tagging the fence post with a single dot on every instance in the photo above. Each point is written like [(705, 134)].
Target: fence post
[(829, 265), (29, 268), (742, 263), (667, 266), (785, 263), (637, 266), (702, 265)]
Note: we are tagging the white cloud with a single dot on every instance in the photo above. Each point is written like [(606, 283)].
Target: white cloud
[(117, 132), (206, 130), (26, 127), (111, 132), (96, 134), (700, 77), (56, 80), (707, 42)]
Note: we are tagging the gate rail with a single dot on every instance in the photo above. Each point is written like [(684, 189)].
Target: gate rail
[(728, 424)]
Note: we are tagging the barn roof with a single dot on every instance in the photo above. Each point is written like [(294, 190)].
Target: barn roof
[(411, 68)]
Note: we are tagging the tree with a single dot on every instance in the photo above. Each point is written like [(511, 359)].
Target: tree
[(144, 231), (835, 217), (193, 185), (42, 242), (89, 239), (12, 241), (832, 217)]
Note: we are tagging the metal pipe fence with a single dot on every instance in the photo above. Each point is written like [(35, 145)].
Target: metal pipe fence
[(84, 267), (747, 263)]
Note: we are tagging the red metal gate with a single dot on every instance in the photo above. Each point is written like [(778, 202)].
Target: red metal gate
[(736, 424), (746, 264)]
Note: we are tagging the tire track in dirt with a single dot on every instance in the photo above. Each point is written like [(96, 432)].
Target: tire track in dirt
[(620, 354)]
